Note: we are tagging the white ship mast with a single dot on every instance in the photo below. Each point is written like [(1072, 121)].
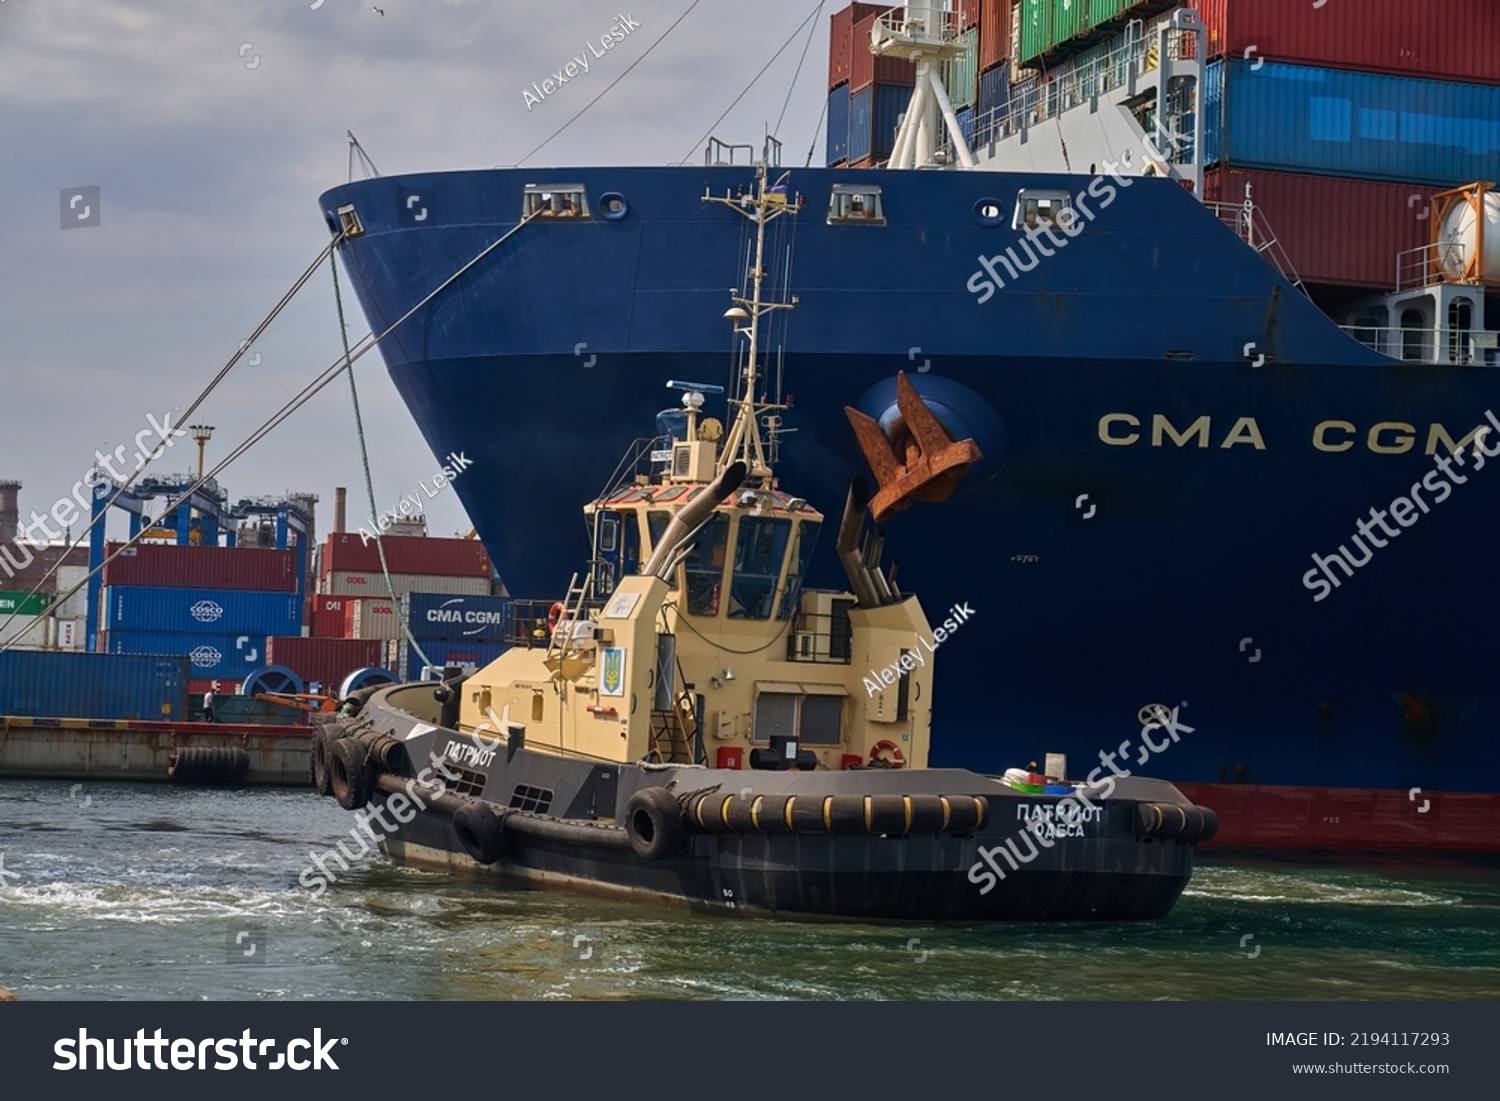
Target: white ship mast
[(926, 35)]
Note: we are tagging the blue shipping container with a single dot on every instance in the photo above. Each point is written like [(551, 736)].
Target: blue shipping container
[(441, 616), (1343, 123), (966, 125), (993, 105), (891, 101), (1023, 97), (838, 124), (860, 122), (209, 655), (195, 611), (471, 655), (64, 684)]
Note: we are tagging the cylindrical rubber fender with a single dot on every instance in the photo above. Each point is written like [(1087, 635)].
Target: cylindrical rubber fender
[(349, 773), (737, 814), (389, 754), (843, 814), (707, 812), (768, 814), (1210, 824), (653, 819), (1160, 819), (480, 831), (926, 814), (886, 814), (809, 813), (322, 740), (201, 764), (963, 813)]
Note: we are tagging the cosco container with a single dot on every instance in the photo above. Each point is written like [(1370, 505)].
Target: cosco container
[(1449, 39), (208, 655), (866, 69), (167, 565), (1334, 230), (841, 42), (471, 656), (350, 551), (439, 616), (325, 660), (838, 125), (1340, 123), (195, 611), (371, 617), (60, 684), (354, 583)]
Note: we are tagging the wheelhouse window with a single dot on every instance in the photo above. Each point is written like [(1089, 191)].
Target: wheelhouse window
[(555, 201), (758, 555), (806, 539), (1035, 209), (855, 204), (704, 567)]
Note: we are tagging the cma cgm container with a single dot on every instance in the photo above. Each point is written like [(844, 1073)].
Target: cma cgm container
[(841, 42), (208, 655), (327, 616), (1452, 39), (167, 565), (194, 611), (353, 583), (325, 660), (1334, 230), (838, 125), (371, 617), (1342, 123), (461, 618), (470, 655), (345, 551), (59, 684)]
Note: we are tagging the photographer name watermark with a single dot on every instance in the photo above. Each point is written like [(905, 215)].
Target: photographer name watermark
[(578, 66), (880, 679), (412, 506)]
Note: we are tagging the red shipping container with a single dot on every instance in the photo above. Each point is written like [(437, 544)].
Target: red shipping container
[(168, 565), (325, 660), (1448, 39), (841, 39), (1334, 230), (994, 33), (866, 69), (968, 11), (328, 616), (406, 554)]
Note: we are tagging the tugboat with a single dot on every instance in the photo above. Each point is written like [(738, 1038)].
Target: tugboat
[(690, 724)]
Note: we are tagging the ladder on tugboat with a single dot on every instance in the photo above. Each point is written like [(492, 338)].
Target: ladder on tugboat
[(572, 610), (672, 731)]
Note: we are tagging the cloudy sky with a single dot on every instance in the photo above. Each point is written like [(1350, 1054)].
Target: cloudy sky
[(210, 128)]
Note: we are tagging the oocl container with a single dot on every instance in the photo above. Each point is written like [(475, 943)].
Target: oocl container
[(60, 684), (372, 617), (355, 583)]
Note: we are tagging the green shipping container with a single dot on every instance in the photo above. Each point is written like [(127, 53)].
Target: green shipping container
[(1046, 24), (24, 603), (961, 74), (1102, 11)]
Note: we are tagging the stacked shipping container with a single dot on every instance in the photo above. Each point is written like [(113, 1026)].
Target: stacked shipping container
[(57, 684)]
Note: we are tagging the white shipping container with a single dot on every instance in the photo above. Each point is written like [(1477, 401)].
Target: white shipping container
[(21, 627), (358, 583), (76, 606), (373, 617)]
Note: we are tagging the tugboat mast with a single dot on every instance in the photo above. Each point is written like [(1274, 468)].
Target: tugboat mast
[(744, 443)]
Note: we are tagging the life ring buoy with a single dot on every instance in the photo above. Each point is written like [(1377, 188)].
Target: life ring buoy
[(554, 616), (898, 759)]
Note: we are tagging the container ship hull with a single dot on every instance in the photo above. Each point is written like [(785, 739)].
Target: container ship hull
[(1171, 433)]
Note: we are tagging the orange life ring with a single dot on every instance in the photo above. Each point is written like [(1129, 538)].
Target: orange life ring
[(554, 613), (898, 759)]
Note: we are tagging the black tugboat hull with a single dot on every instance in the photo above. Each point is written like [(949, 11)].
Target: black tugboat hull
[(926, 845)]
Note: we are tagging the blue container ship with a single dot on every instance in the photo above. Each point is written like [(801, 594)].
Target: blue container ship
[(1183, 456)]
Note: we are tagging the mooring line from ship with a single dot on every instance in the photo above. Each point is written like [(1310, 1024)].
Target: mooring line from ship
[(792, 87), (124, 486), (364, 459), (364, 345)]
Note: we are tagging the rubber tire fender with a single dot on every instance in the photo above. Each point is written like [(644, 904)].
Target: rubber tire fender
[(349, 773), (653, 820), (481, 832), (321, 741)]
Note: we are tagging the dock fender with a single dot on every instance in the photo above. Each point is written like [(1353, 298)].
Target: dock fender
[(653, 819), (481, 831), (349, 773), (322, 740)]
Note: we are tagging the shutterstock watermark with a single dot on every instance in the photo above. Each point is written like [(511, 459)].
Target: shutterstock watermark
[(1406, 510), (67, 510), (1045, 824)]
